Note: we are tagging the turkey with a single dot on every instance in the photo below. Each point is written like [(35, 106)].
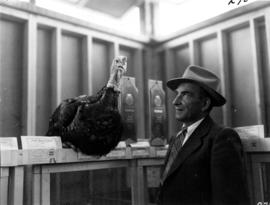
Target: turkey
[(92, 124)]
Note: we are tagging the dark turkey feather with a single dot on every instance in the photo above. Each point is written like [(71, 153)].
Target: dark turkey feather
[(91, 123)]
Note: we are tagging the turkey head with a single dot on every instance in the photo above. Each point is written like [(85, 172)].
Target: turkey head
[(92, 124), (118, 67)]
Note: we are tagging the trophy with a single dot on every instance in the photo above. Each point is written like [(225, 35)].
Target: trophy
[(129, 94), (157, 113)]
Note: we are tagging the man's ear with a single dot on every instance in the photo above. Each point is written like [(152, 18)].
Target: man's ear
[(207, 104)]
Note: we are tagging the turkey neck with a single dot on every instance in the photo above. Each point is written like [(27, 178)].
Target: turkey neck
[(110, 98)]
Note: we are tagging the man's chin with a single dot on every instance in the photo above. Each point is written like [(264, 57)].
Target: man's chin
[(179, 118)]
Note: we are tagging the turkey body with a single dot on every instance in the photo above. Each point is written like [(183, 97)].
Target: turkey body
[(91, 123)]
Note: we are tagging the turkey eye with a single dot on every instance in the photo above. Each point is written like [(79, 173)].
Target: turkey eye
[(116, 61)]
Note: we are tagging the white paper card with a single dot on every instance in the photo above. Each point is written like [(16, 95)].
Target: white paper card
[(8, 143), (41, 156), (117, 153), (139, 152), (41, 142), (121, 144), (250, 131), (140, 144)]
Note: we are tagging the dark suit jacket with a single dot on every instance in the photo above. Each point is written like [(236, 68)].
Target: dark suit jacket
[(209, 169)]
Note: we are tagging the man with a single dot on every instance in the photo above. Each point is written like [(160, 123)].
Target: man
[(206, 167)]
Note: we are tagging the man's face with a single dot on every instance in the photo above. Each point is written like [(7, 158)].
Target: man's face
[(188, 103)]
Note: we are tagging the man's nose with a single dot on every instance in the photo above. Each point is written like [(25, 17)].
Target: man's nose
[(176, 100)]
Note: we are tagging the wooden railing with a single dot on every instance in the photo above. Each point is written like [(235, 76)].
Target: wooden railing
[(46, 162)]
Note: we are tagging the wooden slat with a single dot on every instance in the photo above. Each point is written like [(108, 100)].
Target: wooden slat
[(94, 165), (45, 189), (32, 74), (191, 52), (134, 183), (138, 66), (267, 29), (58, 64), (36, 189), (170, 65), (257, 176), (224, 76), (88, 61), (258, 183), (4, 174), (115, 49), (147, 75), (151, 162), (16, 185), (142, 185), (194, 52), (257, 71)]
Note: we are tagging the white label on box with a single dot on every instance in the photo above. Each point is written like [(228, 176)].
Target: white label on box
[(41, 142), (8, 143), (42, 156), (161, 152), (139, 152), (256, 144), (140, 144), (250, 131), (121, 144), (117, 153)]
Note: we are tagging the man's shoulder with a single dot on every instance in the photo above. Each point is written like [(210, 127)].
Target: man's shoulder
[(220, 129), (225, 133)]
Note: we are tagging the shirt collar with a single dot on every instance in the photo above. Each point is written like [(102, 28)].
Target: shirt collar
[(191, 128)]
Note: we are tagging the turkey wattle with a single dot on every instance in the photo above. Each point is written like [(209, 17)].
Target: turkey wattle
[(92, 123)]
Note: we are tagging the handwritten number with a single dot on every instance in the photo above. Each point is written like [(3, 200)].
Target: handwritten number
[(231, 2), (239, 1)]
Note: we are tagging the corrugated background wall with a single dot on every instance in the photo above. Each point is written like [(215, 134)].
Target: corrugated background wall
[(45, 59)]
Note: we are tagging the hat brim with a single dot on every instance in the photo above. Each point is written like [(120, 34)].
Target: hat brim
[(217, 99)]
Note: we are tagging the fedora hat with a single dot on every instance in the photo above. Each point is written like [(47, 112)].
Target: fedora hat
[(202, 77)]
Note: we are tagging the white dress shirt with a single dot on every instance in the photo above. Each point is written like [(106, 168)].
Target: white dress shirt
[(190, 129)]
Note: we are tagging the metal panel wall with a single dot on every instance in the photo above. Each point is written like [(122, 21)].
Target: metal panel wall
[(208, 55), (12, 97), (45, 75), (125, 51), (181, 60), (237, 49), (265, 69), (101, 65), (72, 71), (242, 78)]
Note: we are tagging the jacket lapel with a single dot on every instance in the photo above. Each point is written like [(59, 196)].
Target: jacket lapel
[(168, 153), (192, 144)]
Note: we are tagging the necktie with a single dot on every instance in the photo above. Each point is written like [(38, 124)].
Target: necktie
[(176, 146)]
